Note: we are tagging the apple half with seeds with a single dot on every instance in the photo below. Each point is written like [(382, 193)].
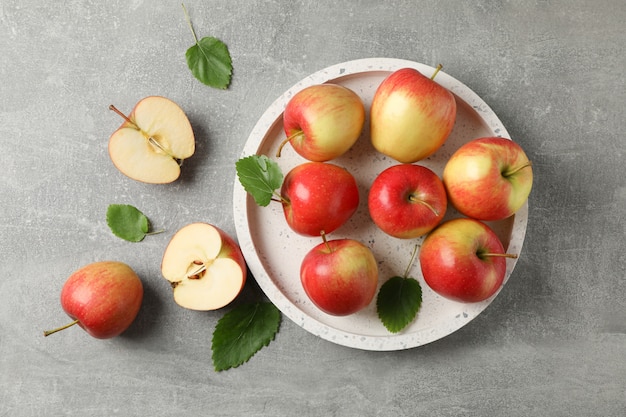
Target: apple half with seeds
[(205, 267), (152, 142)]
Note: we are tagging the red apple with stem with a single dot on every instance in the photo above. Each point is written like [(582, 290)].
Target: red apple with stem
[(488, 178), (411, 115), (407, 201), (463, 260), (103, 298), (339, 276), (323, 121), (318, 197)]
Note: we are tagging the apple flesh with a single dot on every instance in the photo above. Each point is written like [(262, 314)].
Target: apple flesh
[(488, 178), (103, 298), (152, 142), (323, 121), (407, 201), (411, 116), (340, 276), (463, 260), (318, 197), (205, 267)]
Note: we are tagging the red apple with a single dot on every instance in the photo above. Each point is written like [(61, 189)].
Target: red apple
[(323, 121), (411, 116), (463, 260), (318, 197), (103, 298), (340, 276), (407, 201), (488, 178)]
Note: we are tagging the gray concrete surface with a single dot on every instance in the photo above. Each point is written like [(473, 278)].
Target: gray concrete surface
[(553, 343)]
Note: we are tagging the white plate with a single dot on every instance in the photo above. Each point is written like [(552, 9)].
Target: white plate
[(273, 251)]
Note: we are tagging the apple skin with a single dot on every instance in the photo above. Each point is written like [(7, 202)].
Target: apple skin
[(318, 197), (104, 297), (488, 178), (407, 201), (455, 264), (340, 276), (411, 116), (230, 249), (323, 121)]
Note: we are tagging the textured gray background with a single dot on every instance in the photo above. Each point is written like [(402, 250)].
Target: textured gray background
[(553, 342)]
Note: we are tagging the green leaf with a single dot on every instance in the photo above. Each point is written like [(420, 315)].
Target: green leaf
[(127, 222), (260, 176), (398, 301), (242, 332), (209, 60)]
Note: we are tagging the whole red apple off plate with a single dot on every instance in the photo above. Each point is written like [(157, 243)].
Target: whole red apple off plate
[(274, 252)]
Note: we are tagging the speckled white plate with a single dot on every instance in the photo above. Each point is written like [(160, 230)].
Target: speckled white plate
[(274, 252)]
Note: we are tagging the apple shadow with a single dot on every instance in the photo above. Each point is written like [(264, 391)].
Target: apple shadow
[(146, 321), (189, 167), (251, 292)]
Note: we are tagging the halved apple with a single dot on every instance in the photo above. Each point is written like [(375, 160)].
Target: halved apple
[(153, 141), (205, 267)]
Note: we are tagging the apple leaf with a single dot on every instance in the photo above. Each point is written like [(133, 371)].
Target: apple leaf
[(127, 222), (209, 60), (260, 177), (398, 301), (242, 332)]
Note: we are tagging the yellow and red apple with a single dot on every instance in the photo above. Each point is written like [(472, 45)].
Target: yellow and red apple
[(323, 121), (411, 116), (488, 178), (340, 276), (103, 298), (463, 260)]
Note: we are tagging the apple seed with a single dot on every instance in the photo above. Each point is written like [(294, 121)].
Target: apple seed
[(198, 272)]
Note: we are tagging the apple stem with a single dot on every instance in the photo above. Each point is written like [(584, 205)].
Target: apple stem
[(287, 140), (193, 32), (123, 116), (156, 232), (280, 199), (408, 268), (414, 199), (323, 234), (508, 173), (58, 329), (439, 67), (500, 255)]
